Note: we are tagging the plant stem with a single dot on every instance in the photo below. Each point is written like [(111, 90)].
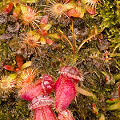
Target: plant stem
[(66, 39), (84, 41), (73, 38)]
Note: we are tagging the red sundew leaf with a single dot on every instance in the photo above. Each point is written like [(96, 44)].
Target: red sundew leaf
[(119, 91), (78, 2), (113, 100), (19, 60), (44, 19), (67, 1), (44, 32), (17, 69), (74, 13), (8, 7), (90, 10), (94, 108), (39, 31), (9, 67), (49, 41)]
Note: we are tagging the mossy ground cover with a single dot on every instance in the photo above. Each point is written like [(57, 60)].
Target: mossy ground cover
[(89, 42)]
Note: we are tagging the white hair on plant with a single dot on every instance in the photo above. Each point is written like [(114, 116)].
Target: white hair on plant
[(57, 9), (92, 3), (30, 16)]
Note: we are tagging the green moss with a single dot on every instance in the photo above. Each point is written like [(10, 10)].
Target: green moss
[(97, 60)]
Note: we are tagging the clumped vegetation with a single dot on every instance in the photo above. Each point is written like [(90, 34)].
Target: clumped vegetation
[(47, 35)]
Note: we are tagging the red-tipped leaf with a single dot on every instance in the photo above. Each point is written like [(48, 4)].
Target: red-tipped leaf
[(8, 7), (9, 67), (94, 108), (19, 60)]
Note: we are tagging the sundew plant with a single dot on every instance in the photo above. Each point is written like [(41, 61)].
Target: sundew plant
[(60, 57)]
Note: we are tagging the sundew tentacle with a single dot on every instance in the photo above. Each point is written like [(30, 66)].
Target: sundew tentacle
[(30, 17), (31, 41), (58, 9), (91, 3)]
